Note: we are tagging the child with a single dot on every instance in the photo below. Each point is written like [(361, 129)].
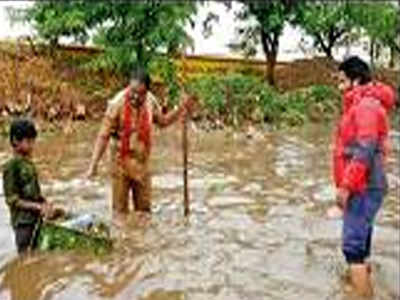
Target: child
[(21, 186)]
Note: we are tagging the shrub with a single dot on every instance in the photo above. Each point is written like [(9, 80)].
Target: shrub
[(240, 97)]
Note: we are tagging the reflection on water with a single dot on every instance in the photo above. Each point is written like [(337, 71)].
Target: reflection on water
[(257, 229)]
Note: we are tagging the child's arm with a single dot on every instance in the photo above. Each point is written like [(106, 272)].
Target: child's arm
[(44, 208), (28, 205)]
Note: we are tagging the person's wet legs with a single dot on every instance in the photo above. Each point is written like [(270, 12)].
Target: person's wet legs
[(357, 236)]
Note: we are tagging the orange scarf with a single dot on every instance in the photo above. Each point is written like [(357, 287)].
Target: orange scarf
[(143, 125)]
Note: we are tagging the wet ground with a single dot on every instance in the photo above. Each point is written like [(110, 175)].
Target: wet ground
[(257, 228)]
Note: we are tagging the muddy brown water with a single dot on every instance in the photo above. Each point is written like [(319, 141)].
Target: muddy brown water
[(257, 228)]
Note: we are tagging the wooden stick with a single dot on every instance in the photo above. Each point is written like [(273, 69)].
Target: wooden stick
[(185, 147), (16, 69), (185, 166)]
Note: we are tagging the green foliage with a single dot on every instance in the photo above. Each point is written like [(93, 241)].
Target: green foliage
[(330, 23), (129, 32), (210, 89), (323, 93), (244, 97), (165, 68), (148, 33), (326, 22), (380, 21), (270, 17), (53, 237), (53, 20)]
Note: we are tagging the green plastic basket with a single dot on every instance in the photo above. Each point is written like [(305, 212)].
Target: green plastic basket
[(55, 237)]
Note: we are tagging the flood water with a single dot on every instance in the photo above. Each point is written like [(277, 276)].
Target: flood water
[(257, 228)]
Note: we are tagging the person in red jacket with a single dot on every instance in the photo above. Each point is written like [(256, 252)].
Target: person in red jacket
[(361, 145)]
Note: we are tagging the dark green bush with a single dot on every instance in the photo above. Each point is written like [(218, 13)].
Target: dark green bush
[(238, 97)]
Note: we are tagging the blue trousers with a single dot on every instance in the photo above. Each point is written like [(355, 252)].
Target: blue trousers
[(358, 224)]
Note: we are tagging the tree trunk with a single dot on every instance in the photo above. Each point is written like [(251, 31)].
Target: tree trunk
[(53, 46), (139, 52), (392, 58), (270, 43), (377, 52), (329, 53), (32, 45), (372, 52), (270, 75), (331, 43), (348, 48), (396, 60), (327, 49)]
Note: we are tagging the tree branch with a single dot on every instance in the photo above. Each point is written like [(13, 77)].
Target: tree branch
[(339, 34), (265, 41), (321, 42)]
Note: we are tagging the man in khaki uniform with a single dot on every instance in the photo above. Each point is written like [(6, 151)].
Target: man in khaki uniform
[(128, 122)]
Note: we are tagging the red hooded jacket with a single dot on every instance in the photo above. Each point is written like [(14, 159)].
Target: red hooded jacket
[(361, 137)]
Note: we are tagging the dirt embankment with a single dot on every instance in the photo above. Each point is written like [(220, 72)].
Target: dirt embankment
[(57, 88)]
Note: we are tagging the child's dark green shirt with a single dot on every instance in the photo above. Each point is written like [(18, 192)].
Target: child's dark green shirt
[(21, 182)]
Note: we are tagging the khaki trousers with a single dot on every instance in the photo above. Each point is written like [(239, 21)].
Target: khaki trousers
[(124, 183)]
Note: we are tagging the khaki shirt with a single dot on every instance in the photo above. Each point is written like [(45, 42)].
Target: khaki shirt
[(112, 126)]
